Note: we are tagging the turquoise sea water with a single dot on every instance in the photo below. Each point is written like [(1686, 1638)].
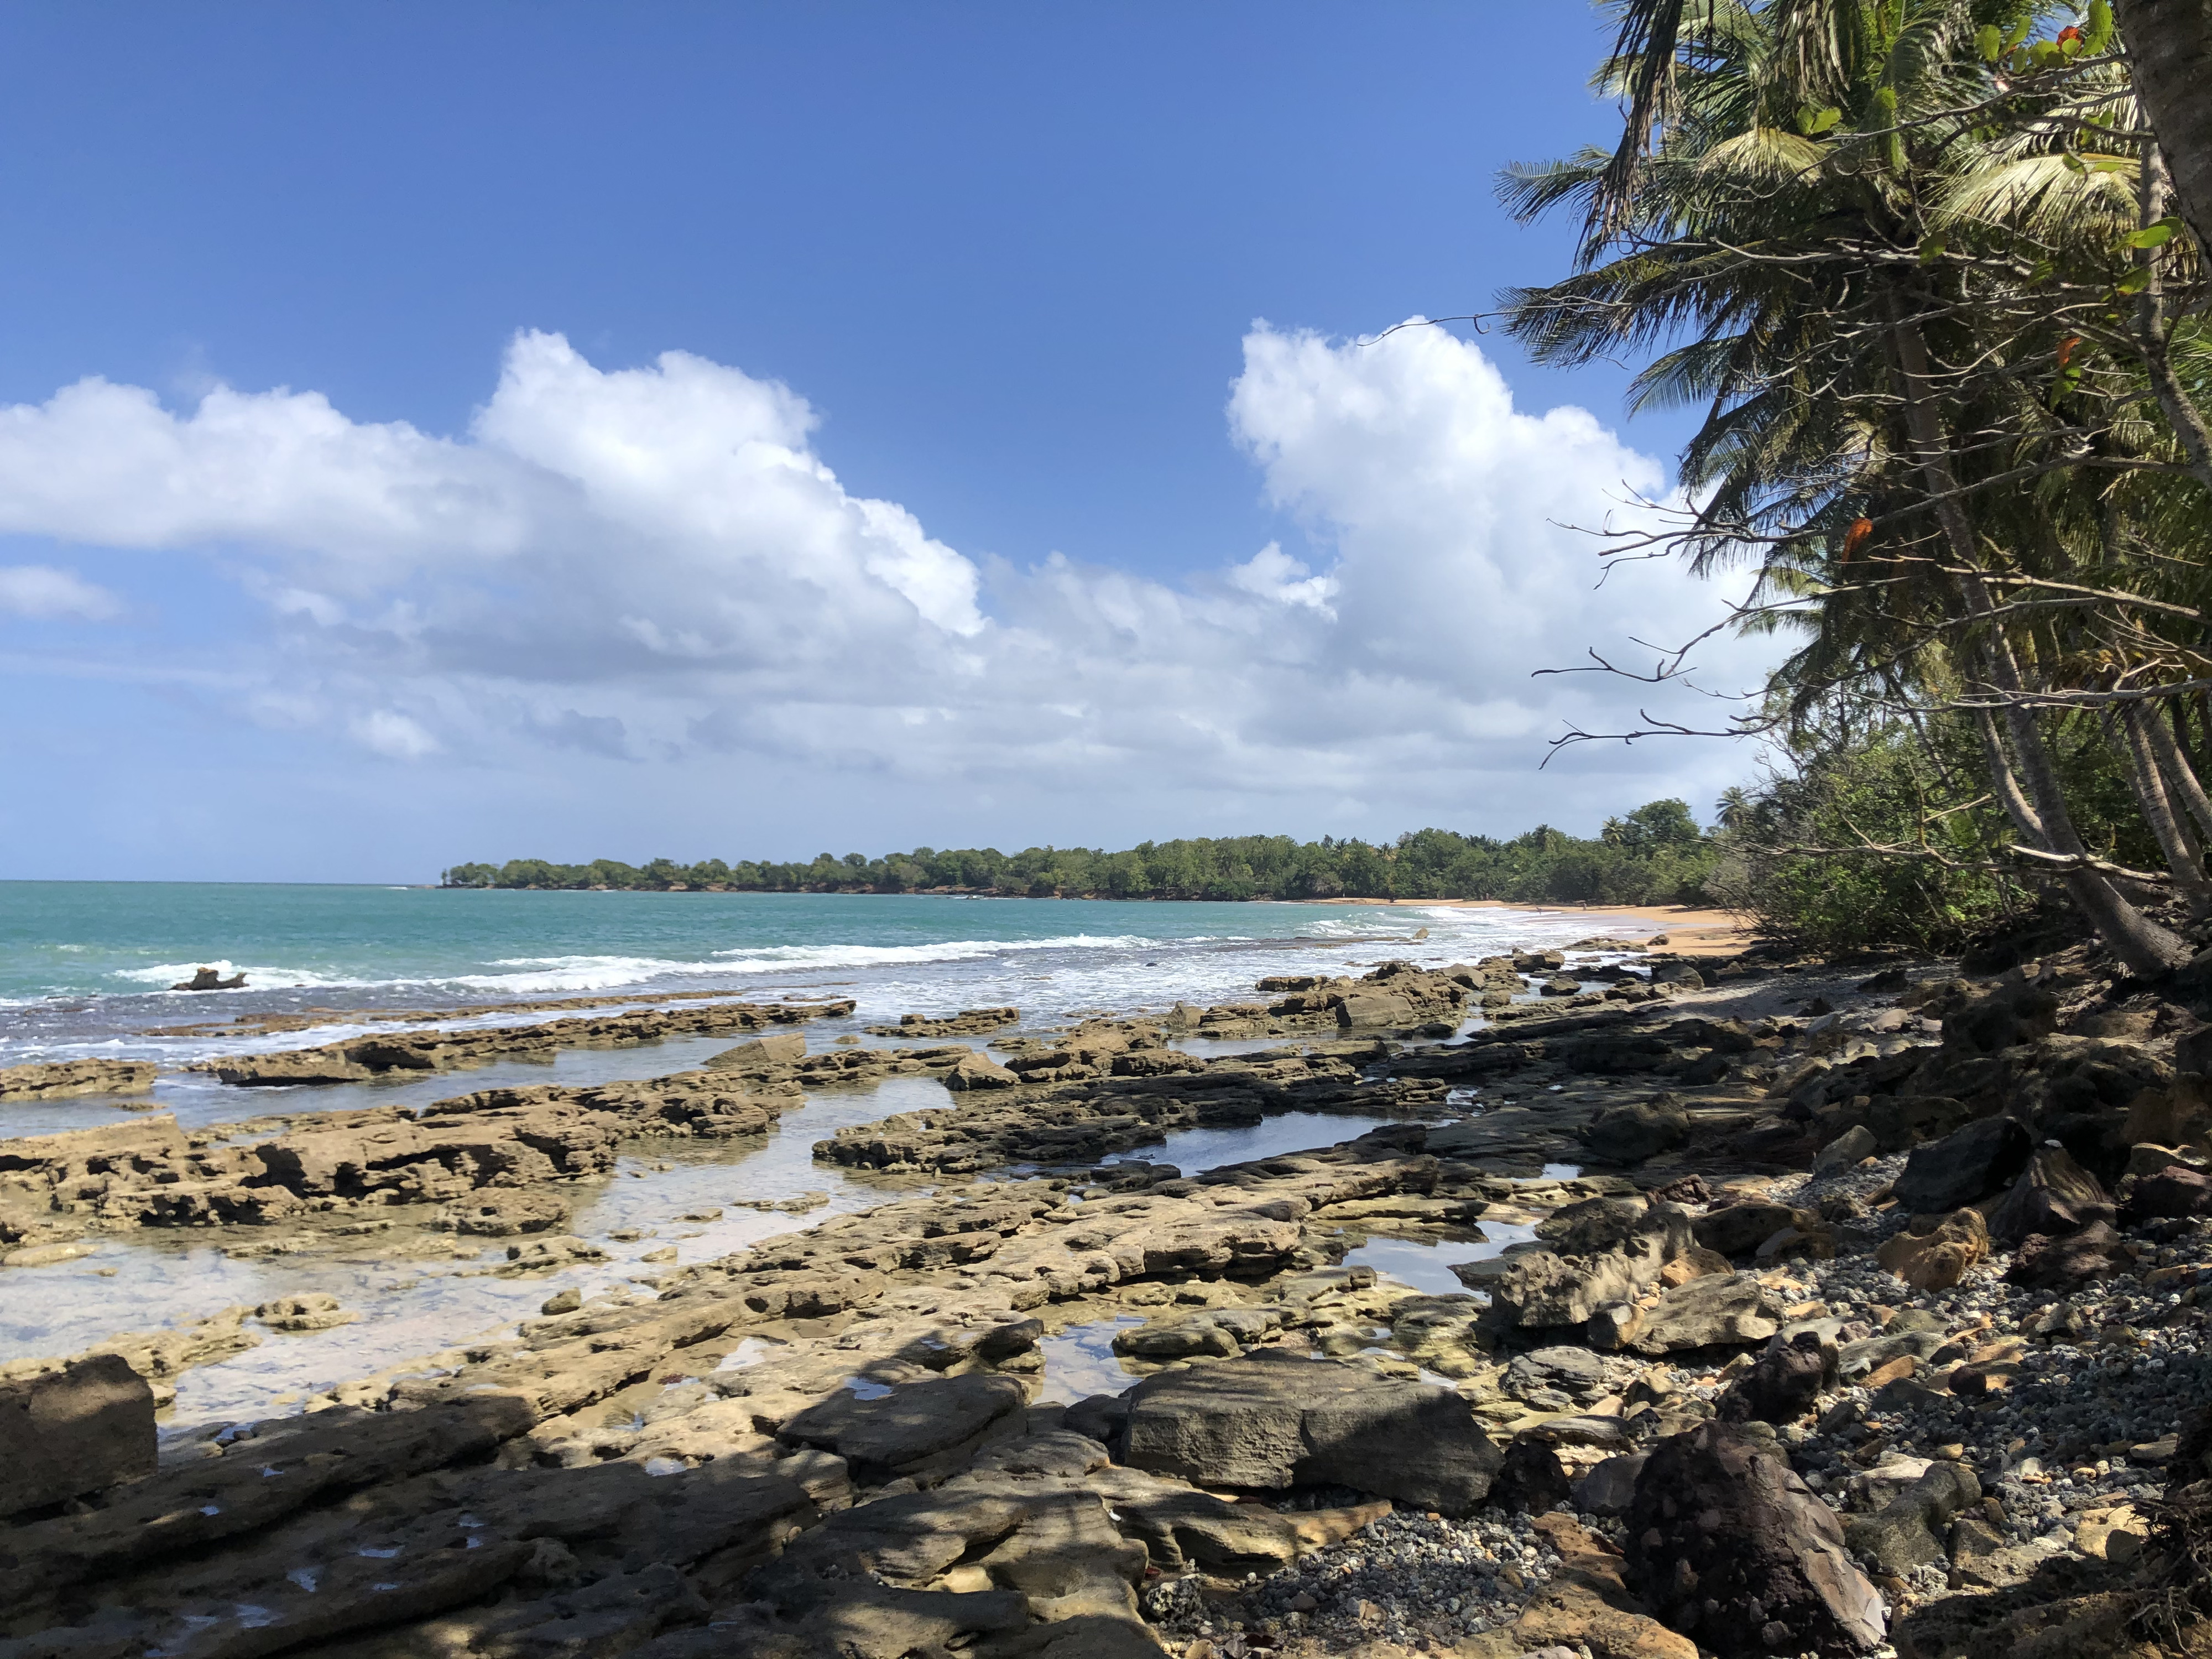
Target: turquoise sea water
[(85, 967)]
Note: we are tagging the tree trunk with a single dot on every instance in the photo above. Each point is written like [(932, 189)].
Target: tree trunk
[(2170, 56), (2129, 728), (2178, 772)]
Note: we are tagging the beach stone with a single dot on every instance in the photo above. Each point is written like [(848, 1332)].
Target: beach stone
[(1725, 1544), (1274, 1421), (2175, 1190), (1933, 1253), (1968, 1165), (1845, 1150), (1732, 1309), (2095, 1253), (918, 1429), (82, 1428), (1781, 1385)]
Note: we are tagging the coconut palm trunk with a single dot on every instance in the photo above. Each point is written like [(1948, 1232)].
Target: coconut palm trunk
[(2170, 56)]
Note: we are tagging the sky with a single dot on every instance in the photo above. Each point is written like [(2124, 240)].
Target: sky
[(432, 433)]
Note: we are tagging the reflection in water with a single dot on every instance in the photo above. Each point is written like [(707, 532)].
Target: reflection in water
[(1081, 1361), (1427, 1265), (1195, 1150)]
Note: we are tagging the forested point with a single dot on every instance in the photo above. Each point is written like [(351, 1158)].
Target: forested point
[(1657, 855)]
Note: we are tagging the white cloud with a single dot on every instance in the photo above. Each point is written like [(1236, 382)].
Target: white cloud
[(392, 734), (655, 563), (39, 591)]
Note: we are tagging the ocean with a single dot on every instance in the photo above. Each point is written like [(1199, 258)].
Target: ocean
[(86, 967), (85, 970)]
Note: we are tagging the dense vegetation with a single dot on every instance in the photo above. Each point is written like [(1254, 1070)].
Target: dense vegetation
[(1655, 855), (1929, 272)]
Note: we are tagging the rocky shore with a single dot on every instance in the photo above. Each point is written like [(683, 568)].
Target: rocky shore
[(1799, 1311)]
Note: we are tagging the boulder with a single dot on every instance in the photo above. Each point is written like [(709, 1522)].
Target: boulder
[(1728, 1547), (918, 1430), (1934, 1252), (2093, 1255), (1968, 1165), (1781, 1385), (1603, 1252), (1610, 1486), (1274, 1420), (1730, 1310), (2053, 1194), (79, 1429), (2175, 1190), (1846, 1150), (1637, 1129), (1909, 1531), (1378, 1008), (761, 1054)]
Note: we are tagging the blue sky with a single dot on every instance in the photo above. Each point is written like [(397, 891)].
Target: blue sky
[(1008, 263)]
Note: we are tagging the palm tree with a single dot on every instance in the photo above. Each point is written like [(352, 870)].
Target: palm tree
[(1784, 197)]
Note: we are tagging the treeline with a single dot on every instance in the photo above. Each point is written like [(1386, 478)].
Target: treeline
[(1655, 855)]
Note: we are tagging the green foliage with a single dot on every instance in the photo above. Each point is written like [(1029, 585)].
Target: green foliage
[(1655, 855)]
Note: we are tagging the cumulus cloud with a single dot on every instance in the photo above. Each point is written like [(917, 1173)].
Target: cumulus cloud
[(39, 591), (656, 560)]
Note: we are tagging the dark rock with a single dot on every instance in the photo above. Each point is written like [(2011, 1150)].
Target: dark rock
[(918, 1429), (1726, 1544), (2093, 1253), (1909, 1531), (1969, 1164), (2175, 1190), (1100, 1417), (1274, 1421), (82, 1428), (1532, 1480), (207, 979), (2053, 1194), (1739, 1229), (1889, 979), (1637, 1129), (2006, 1018), (1781, 1385)]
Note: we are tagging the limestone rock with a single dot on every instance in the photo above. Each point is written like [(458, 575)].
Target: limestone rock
[(763, 1053), (1274, 1420), (1729, 1548), (1933, 1253), (62, 1079), (1732, 1309), (979, 1071)]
